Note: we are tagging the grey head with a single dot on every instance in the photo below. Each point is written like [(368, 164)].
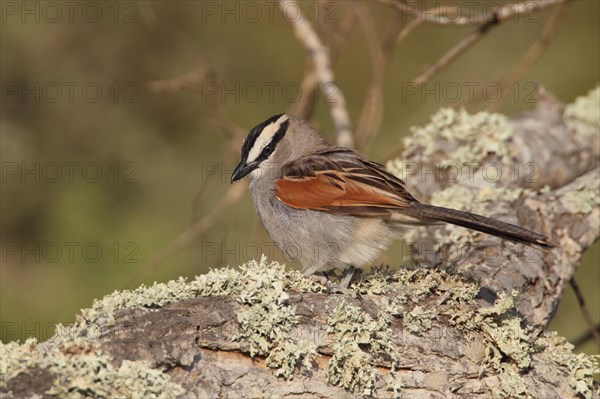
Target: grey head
[(280, 139)]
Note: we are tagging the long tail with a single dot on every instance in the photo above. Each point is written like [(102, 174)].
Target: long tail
[(477, 222)]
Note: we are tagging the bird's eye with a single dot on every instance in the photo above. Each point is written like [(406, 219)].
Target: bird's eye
[(269, 148)]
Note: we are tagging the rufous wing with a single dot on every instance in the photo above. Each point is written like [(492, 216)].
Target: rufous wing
[(340, 188)]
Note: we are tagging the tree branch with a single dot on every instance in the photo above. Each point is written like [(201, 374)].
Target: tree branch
[(322, 66), (416, 332), (501, 13)]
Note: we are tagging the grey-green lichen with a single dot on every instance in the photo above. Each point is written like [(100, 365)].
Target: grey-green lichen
[(269, 319), (360, 341), (508, 346), (419, 319), (266, 326), (510, 385), (466, 140), (16, 358), (504, 335), (287, 355), (350, 366), (582, 368), (474, 136), (268, 316), (81, 370), (506, 339), (584, 198), (244, 283), (585, 109)]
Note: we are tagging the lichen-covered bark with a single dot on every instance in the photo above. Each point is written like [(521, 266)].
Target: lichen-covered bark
[(466, 320), (553, 148), (540, 275), (442, 361), (413, 332), (549, 146)]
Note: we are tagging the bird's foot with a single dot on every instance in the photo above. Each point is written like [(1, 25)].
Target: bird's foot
[(319, 278), (343, 286)]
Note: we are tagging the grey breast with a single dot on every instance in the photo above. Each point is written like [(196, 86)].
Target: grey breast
[(304, 236)]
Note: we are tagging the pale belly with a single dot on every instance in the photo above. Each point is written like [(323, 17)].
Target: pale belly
[(320, 241)]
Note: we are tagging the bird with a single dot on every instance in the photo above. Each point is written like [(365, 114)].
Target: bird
[(329, 208)]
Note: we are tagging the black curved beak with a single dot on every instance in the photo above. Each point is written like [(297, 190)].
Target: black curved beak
[(242, 170)]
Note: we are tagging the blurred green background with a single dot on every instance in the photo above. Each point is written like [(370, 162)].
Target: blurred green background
[(99, 173)]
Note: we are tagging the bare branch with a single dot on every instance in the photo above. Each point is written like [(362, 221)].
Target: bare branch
[(455, 52), (544, 141), (418, 332), (371, 115), (503, 13), (582, 339), (407, 30), (436, 15), (532, 55), (195, 82), (372, 111), (585, 312), (305, 104), (191, 81), (318, 54)]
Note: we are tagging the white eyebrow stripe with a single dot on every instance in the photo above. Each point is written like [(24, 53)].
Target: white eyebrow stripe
[(265, 138)]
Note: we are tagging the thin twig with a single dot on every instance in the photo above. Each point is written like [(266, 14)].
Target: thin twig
[(396, 34), (388, 48), (531, 56), (318, 54), (455, 51), (371, 115), (342, 32), (194, 82), (414, 23), (233, 195), (585, 312), (197, 81), (372, 111), (582, 339), (305, 104), (147, 14), (190, 81), (436, 16)]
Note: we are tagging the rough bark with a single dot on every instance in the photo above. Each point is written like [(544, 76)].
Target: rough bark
[(547, 149)]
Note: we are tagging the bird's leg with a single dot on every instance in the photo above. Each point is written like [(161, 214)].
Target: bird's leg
[(346, 278), (342, 286), (344, 283), (320, 277)]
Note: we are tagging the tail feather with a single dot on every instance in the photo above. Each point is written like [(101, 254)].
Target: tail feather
[(477, 222)]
